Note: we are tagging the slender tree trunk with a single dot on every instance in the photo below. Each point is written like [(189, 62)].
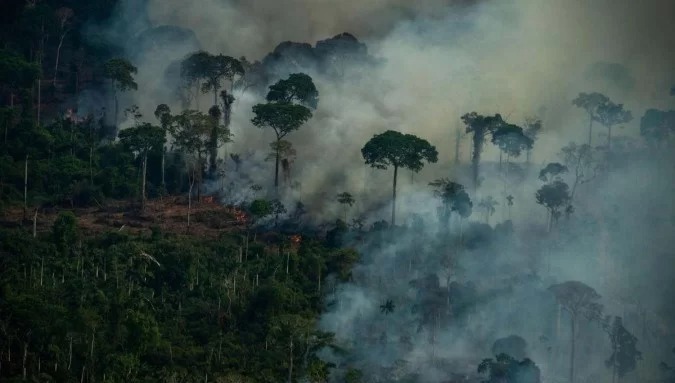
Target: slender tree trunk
[(35, 232), (276, 165), (573, 346), (318, 286), (91, 352), (458, 137), (590, 129), (39, 101), (91, 165), (192, 182), (475, 158), (114, 92), (163, 166), (197, 95), (25, 187), (58, 56), (290, 362), (25, 358), (609, 139), (393, 202), (198, 175), (145, 167)]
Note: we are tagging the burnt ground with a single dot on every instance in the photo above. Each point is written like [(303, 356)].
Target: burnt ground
[(207, 219)]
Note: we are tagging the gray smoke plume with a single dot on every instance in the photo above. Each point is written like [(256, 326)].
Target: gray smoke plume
[(427, 63)]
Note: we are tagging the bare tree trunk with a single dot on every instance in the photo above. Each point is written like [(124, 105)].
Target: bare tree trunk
[(458, 137), (117, 107), (58, 56), (573, 346), (91, 158), (163, 166), (35, 232), (91, 352), (276, 166), (25, 187), (192, 183), (39, 103), (290, 362), (393, 204), (590, 129), (318, 287), (145, 167), (25, 358)]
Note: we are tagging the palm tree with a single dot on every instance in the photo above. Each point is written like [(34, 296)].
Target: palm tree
[(488, 203), (345, 198), (509, 203), (387, 307)]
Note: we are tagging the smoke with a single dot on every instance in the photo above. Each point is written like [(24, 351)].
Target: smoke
[(436, 60)]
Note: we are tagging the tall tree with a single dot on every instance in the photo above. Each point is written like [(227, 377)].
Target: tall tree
[(590, 103), (511, 140), (488, 204), (194, 69), (219, 135), (480, 127), (454, 198), (610, 114), (227, 99), (220, 68), (193, 134), (582, 160), (347, 200), (64, 17), (398, 150), (532, 129), (141, 140), (282, 119), (458, 138), (578, 300), (555, 197), (658, 128), (286, 152), (163, 114), (120, 72), (282, 113), (625, 354), (552, 171), (297, 88)]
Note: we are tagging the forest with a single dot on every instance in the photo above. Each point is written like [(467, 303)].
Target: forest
[(294, 191)]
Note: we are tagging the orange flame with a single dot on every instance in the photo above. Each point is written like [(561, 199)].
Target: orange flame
[(296, 239)]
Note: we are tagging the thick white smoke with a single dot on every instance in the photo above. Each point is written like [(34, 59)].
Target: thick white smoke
[(438, 60)]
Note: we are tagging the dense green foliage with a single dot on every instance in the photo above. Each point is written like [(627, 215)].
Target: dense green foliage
[(154, 308)]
